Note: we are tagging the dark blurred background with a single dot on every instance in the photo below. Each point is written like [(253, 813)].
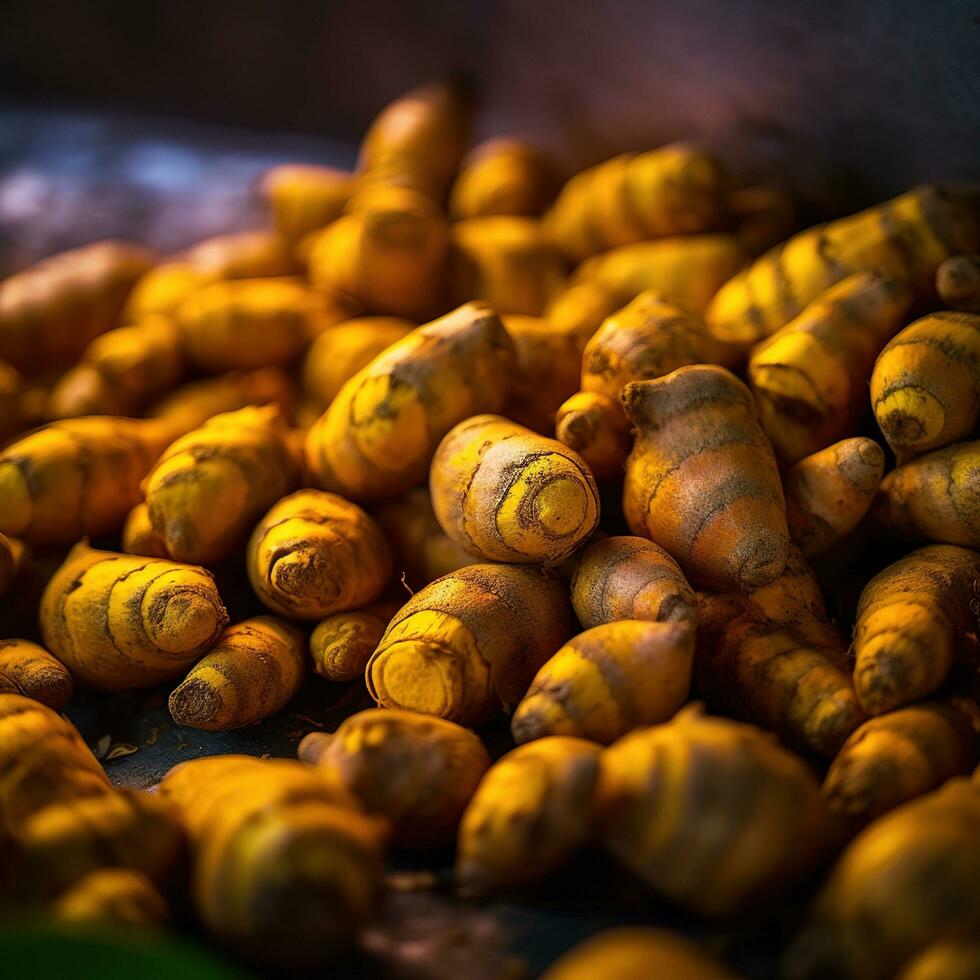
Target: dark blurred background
[(128, 104)]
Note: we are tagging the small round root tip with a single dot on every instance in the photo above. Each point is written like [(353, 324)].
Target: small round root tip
[(910, 418), (179, 619), (312, 747), (561, 506), (194, 703)]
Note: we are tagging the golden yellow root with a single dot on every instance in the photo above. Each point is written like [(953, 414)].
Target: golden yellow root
[(11, 559), (343, 350), (925, 389), (43, 761), (469, 642), (379, 435), (828, 493), (191, 405), (810, 379), (913, 620), (630, 578), (211, 486), (897, 757), (549, 361), (934, 497), (909, 881), (773, 658), (388, 252), (304, 198), (50, 311), (531, 812), (249, 323), (688, 270), (240, 255), (417, 141), (594, 426), (112, 898), (503, 176), (702, 480), (609, 680), (67, 840), (905, 239), (138, 536), (579, 309), (341, 645), (121, 371), (253, 670), (507, 262), (314, 554), (674, 190), (768, 821), (26, 668), (958, 283), (120, 622), (632, 953), (423, 551), (507, 494), (952, 959), (285, 871), (417, 771), (76, 478)]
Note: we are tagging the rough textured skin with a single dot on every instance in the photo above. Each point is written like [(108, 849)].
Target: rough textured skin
[(630, 578), (609, 680), (304, 197), (417, 141), (505, 493), (191, 405), (69, 839), (950, 960), (343, 350), (595, 427), (211, 486), (935, 497), (469, 642), (423, 552), (503, 176), (252, 671), (810, 379), (531, 812), (114, 899), (377, 438), (120, 622), (11, 558), (76, 478), (897, 757), (121, 371), (417, 771), (688, 270), (549, 360), (26, 668), (913, 620), (829, 492), (702, 481), (772, 657), (905, 238), (387, 252), (507, 262), (674, 190), (341, 645), (50, 311), (958, 283), (43, 761), (244, 324), (630, 953), (314, 554), (768, 823), (925, 389), (646, 339), (907, 882), (285, 870), (138, 536)]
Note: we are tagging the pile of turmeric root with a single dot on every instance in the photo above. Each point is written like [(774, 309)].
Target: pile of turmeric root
[(497, 446)]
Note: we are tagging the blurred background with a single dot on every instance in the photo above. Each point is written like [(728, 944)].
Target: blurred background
[(152, 119)]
